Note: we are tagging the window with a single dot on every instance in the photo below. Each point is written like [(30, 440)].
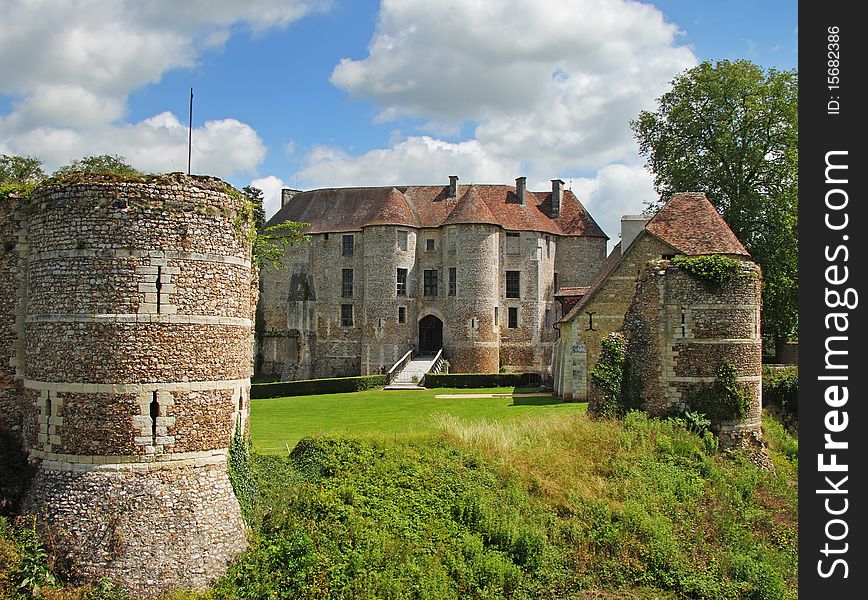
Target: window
[(402, 282), (512, 242), (512, 316), (667, 256), (430, 277), (402, 314), (548, 247), (346, 283), (429, 245), (512, 284), (346, 315), (495, 315), (348, 245), (403, 240), (548, 318), (556, 281), (325, 237), (453, 280)]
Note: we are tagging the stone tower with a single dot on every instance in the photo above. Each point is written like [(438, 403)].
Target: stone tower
[(680, 330), (135, 356)]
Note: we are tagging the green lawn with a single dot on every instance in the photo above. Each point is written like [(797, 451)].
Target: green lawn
[(278, 423)]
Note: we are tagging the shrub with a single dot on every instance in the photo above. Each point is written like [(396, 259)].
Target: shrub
[(781, 392), (480, 380), (724, 399), (713, 270), (607, 377), (308, 387)]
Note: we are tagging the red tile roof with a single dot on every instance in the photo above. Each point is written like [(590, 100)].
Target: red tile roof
[(351, 209), (690, 224)]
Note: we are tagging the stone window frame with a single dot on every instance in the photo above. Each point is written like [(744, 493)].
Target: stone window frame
[(348, 244), (429, 280), (453, 281), (402, 314), (512, 317), (346, 315), (513, 284), (402, 240), (401, 282)]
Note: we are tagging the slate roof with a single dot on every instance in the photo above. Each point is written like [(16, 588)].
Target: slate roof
[(351, 209), (688, 223), (572, 292)]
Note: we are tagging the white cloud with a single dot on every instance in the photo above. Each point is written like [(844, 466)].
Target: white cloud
[(547, 82), (548, 87), (271, 187), (223, 148), (69, 65), (416, 160), (616, 190)]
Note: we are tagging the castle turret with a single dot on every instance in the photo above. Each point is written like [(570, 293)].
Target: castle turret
[(137, 359)]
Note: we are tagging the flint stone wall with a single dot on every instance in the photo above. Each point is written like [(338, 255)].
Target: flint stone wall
[(137, 344), (680, 331), (151, 529)]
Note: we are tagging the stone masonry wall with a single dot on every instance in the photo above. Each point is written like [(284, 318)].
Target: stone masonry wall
[(138, 352), (579, 345), (680, 331), (302, 335)]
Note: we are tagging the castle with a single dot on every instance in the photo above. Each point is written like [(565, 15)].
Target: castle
[(471, 269), (127, 316), (127, 328)]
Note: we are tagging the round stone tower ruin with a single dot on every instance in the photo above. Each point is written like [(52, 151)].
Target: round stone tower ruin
[(680, 330), (136, 358)]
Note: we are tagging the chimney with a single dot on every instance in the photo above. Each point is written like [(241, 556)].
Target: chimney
[(631, 227), (521, 190), (453, 186), (557, 196), (286, 195)]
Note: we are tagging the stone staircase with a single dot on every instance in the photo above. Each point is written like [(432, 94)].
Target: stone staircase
[(416, 367)]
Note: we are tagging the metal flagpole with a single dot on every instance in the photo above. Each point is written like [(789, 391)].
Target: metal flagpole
[(190, 134)]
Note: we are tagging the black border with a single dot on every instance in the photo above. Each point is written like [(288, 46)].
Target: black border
[(819, 133)]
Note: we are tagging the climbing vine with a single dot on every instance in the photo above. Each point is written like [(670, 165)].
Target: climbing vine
[(722, 400), (713, 270), (607, 376), (241, 472)]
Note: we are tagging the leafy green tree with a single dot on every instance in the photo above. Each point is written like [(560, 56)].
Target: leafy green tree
[(731, 130), (269, 243), (102, 164), (256, 197), (20, 170)]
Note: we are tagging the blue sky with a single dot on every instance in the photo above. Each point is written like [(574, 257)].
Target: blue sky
[(318, 93)]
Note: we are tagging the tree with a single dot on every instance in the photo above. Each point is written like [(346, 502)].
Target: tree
[(256, 197), (101, 164), (269, 243), (731, 131), (20, 170)]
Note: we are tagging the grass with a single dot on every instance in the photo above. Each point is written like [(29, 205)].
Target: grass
[(279, 423)]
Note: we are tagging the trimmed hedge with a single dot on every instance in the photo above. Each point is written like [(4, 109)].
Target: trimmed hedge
[(480, 380), (309, 387)]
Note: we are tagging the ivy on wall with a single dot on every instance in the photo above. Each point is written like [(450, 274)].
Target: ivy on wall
[(713, 270), (723, 399)]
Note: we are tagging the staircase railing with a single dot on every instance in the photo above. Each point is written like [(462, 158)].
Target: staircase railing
[(398, 366), (436, 366)]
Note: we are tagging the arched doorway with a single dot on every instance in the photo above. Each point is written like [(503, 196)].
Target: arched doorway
[(430, 335)]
